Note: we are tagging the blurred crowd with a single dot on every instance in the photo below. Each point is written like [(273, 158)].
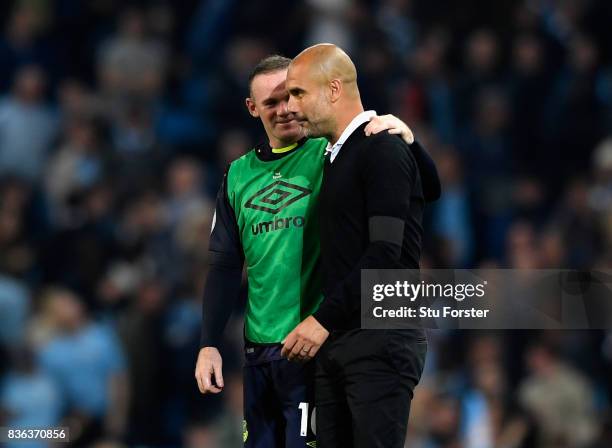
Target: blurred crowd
[(117, 119)]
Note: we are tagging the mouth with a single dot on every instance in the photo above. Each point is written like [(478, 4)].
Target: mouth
[(284, 122)]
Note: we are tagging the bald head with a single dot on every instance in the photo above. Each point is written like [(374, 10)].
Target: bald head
[(328, 62), (322, 83)]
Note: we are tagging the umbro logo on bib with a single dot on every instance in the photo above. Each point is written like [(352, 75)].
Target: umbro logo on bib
[(276, 196)]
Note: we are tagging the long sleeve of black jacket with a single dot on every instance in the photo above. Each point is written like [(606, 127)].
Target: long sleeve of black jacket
[(222, 287)]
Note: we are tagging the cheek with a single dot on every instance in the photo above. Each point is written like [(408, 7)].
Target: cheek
[(270, 115), (310, 105)]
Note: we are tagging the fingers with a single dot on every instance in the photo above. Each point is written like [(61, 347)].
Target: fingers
[(206, 367), (304, 355), (200, 382), (290, 341), (208, 385), (218, 371), (391, 124), (406, 134), (375, 126), (296, 350), (313, 351)]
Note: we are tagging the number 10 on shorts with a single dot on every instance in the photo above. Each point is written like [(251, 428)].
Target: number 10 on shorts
[(304, 422)]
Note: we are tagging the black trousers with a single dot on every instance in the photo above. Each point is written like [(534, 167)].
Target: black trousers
[(364, 384)]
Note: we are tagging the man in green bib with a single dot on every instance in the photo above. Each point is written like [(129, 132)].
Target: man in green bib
[(266, 216)]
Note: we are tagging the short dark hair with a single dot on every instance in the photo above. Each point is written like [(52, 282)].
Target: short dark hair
[(269, 64)]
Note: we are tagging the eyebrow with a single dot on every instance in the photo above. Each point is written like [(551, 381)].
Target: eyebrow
[(269, 100)]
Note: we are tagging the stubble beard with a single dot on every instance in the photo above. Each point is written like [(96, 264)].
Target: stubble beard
[(315, 127)]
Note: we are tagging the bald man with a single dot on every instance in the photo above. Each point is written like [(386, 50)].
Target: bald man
[(371, 206)]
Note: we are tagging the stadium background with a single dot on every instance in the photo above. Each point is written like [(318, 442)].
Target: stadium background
[(117, 119)]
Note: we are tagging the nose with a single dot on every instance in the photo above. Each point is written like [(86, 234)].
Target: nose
[(292, 105), (283, 108)]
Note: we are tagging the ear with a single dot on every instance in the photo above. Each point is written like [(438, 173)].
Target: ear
[(335, 90), (250, 104)]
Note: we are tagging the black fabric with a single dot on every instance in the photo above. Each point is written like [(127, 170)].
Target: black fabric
[(386, 228), (364, 384), (370, 176), (273, 393), (430, 180), (265, 154), (224, 279)]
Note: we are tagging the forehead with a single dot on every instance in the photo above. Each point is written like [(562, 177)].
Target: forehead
[(295, 74), (300, 74), (267, 85)]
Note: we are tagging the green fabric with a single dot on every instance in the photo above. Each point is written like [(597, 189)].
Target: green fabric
[(275, 203)]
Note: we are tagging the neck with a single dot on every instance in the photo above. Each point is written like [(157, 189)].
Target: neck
[(344, 117), (277, 143)]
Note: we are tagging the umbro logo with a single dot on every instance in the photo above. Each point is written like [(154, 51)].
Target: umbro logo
[(276, 196)]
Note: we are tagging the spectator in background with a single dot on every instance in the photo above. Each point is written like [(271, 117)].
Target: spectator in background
[(427, 93), (452, 225), (17, 253), (529, 85), (132, 62), (560, 400), (230, 85), (578, 224), (481, 59), (230, 422), (376, 76), (141, 330), (486, 148), (29, 397), (521, 246), (443, 422), (143, 236), (86, 361), (133, 131), (138, 157), (22, 43), (23, 152), (188, 216), (232, 145), (184, 186), (600, 196), (395, 19), (574, 111), (14, 310), (331, 23), (76, 100), (81, 248), (489, 417), (76, 166)]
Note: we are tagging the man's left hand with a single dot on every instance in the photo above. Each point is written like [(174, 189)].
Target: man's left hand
[(392, 124), (303, 343)]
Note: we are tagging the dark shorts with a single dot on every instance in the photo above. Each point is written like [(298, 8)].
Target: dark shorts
[(278, 400), (364, 386)]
